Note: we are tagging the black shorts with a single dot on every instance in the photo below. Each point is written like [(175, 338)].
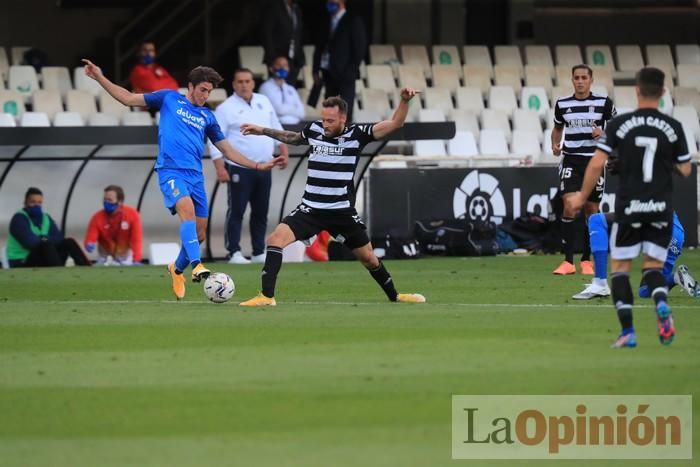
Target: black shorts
[(571, 172), (628, 240), (345, 226)]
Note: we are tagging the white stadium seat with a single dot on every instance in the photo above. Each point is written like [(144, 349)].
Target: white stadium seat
[(82, 102), (110, 105), (431, 115), (68, 119), (502, 98), (508, 55), (11, 102), (568, 55), (465, 120), (430, 147), (7, 120), (412, 76), (688, 54), (416, 55), (102, 119), (376, 101), (380, 77), (56, 78), (446, 55), (478, 76), (47, 101), (493, 142), (35, 119), (4, 66), (689, 75), (625, 96), (629, 58), (446, 76), (23, 79), (493, 119), (535, 98), (477, 55), (599, 55), (538, 75), (83, 83), (438, 98), (137, 119), (527, 120), (526, 143), (539, 55), (470, 98), (251, 57), (688, 116), (508, 75), (659, 55), (463, 145)]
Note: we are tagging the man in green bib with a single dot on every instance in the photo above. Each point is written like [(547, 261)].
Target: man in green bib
[(36, 241)]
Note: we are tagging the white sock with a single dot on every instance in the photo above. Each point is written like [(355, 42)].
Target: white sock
[(600, 282)]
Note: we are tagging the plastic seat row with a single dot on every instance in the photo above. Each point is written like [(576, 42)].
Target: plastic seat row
[(43, 119)]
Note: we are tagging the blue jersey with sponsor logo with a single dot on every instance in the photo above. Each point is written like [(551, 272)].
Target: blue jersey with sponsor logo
[(183, 127)]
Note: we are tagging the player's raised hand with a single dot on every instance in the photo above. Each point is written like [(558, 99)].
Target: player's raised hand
[(408, 93), (92, 70), (250, 129)]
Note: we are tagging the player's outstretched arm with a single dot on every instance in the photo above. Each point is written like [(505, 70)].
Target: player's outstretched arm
[(287, 137), (386, 127), (119, 93), (233, 155)]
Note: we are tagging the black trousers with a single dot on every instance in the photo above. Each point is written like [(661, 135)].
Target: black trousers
[(247, 187), (53, 254), (344, 89)]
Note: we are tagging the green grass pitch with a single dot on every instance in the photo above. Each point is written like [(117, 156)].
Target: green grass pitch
[(100, 367)]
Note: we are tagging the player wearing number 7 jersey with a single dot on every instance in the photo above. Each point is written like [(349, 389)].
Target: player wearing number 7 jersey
[(184, 125), (649, 145)]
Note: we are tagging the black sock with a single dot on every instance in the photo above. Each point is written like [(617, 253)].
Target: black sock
[(383, 278), (273, 263), (567, 236), (656, 284), (586, 255), (623, 299)]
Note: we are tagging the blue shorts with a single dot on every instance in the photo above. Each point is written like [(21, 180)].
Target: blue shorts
[(178, 183)]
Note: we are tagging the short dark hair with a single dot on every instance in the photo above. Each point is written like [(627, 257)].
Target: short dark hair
[(32, 190), (118, 190), (582, 66), (243, 70), (650, 82), (336, 101), (204, 74)]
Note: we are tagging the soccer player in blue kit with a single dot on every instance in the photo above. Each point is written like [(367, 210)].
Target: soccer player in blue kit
[(184, 123)]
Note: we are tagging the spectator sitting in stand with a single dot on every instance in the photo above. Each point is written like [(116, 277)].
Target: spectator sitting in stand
[(115, 231), (147, 75), (284, 97), (36, 241)]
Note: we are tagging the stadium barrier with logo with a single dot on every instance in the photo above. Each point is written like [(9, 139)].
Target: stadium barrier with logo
[(399, 197)]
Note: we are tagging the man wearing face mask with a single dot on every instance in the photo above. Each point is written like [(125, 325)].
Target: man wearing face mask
[(339, 52), (115, 231), (147, 75), (36, 241), (282, 36), (284, 98)]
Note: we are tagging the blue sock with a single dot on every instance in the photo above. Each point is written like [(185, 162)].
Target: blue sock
[(626, 331), (600, 261), (182, 261), (188, 236)]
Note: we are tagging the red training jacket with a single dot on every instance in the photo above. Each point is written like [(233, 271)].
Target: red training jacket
[(118, 232)]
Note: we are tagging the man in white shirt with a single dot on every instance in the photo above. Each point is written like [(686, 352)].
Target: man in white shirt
[(245, 185), (284, 97)]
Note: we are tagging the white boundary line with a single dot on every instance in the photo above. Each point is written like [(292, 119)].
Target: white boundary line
[(474, 305)]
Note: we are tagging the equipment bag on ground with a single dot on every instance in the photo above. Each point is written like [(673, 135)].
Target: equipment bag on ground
[(456, 237)]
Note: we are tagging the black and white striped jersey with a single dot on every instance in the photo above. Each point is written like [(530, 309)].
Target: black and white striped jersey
[(578, 116), (332, 165)]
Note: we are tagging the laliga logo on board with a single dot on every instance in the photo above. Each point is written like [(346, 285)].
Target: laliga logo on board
[(478, 198)]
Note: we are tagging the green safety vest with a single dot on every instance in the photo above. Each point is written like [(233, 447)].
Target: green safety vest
[(15, 250)]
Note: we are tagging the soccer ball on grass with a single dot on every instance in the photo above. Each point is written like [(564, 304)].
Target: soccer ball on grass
[(219, 287)]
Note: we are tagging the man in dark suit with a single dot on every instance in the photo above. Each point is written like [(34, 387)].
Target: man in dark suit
[(282, 37), (339, 52)]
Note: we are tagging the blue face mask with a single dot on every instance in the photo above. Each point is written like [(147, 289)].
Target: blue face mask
[(281, 73), (332, 8), (148, 59), (110, 207), (35, 211)]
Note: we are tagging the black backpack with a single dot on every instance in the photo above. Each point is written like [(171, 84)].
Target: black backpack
[(457, 237)]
